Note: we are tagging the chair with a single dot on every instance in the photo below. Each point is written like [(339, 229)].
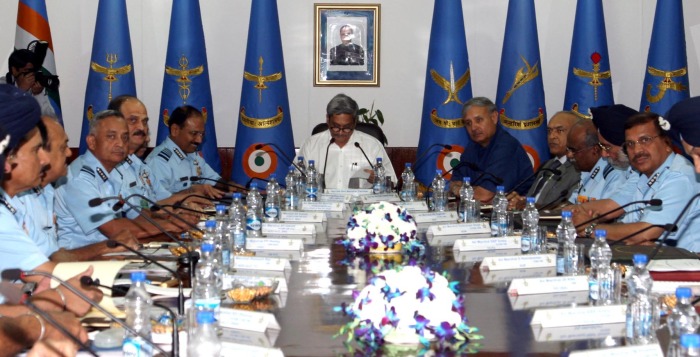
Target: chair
[(369, 129)]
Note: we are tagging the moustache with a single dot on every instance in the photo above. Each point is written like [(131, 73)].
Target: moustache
[(640, 156), (139, 133)]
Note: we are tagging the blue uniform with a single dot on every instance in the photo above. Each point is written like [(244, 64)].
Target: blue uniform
[(77, 221), (133, 176), (17, 250), (173, 168), (38, 213), (599, 183), (503, 157)]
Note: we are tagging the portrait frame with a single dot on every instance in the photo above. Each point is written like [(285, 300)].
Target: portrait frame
[(346, 45)]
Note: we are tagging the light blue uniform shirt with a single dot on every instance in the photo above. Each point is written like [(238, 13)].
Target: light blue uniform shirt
[(597, 184), (133, 176), (17, 250), (77, 221), (38, 213), (172, 168)]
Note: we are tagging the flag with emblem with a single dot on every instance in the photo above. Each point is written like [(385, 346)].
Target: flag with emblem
[(447, 87), (33, 25), (589, 82), (666, 73), (520, 94), (264, 122), (186, 79), (111, 71)]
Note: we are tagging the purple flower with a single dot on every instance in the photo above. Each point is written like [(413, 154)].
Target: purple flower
[(424, 293), (444, 331), (390, 318)]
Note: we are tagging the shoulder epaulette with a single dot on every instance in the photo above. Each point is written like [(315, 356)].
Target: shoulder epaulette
[(88, 170), (165, 154), (179, 154), (102, 174), (128, 160), (608, 169)]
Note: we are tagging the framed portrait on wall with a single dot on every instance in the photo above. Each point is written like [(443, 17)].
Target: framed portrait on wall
[(346, 45)]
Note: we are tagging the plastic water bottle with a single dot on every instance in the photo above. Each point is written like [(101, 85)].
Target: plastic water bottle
[(531, 219), (301, 177), (642, 310), (600, 252), (681, 321), (138, 317), (253, 221), (601, 279), (237, 213), (466, 201), (499, 219), (311, 182), (690, 345), (639, 278), (205, 341), (291, 196), (272, 201), (439, 195), (566, 234), (206, 292), (223, 233), (379, 185), (408, 189)]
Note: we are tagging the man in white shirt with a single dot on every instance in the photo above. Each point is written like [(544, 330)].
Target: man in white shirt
[(345, 158)]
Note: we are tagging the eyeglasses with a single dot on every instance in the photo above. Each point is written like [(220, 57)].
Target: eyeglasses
[(338, 129), (643, 142), (197, 133), (574, 151), (604, 147), (558, 130)]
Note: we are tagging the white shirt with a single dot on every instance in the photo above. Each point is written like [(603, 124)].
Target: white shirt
[(346, 162)]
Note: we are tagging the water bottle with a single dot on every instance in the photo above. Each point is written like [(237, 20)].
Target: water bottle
[(531, 219), (601, 278), (138, 316), (642, 310), (379, 185), (223, 234), (690, 345), (439, 188), (311, 182), (205, 341), (291, 196), (499, 219), (206, 293), (466, 197), (566, 234), (272, 201), (600, 252), (238, 224), (408, 189), (301, 177), (253, 221), (639, 278), (681, 321)]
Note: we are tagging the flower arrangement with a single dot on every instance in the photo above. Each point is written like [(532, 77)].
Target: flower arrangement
[(381, 227), (409, 305)]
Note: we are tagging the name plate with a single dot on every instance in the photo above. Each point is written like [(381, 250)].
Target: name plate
[(288, 228), (322, 206), (480, 228), (291, 255), (551, 300), (462, 256), (274, 244), (388, 197), (577, 333), (495, 243), (230, 349), (260, 263), (247, 320), (300, 216), (349, 191), (246, 337), (548, 285), (429, 217), (578, 316), (441, 241), (335, 197), (414, 206), (653, 350), (519, 262), (505, 276)]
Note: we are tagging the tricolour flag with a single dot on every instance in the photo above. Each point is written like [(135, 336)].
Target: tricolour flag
[(520, 94), (33, 25), (666, 74), (186, 79), (447, 87), (589, 82), (263, 116), (111, 64)]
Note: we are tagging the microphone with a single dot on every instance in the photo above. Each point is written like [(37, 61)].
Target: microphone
[(325, 162), (663, 239), (16, 274), (564, 193), (654, 202), (470, 165), (199, 178), (554, 172), (179, 203), (59, 327), (176, 206), (424, 153), (670, 227), (497, 180), (357, 145), (99, 200), (154, 204), (281, 152)]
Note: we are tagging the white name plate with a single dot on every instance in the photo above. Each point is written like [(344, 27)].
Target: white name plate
[(246, 337), (430, 217), (305, 238), (230, 349), (440, 241), (274, 244), (552, 300), (653, 350), (300, 216), (414, 206), (578, 316), (505, 276), (495, 243), (288, 228), (388, 197), (577, 333), (557, 284), (260, 263), (519, 262), (480, 229), (291, 255), (335, 197), (349, 191), (479, 255), (247, 320), (322, 206)]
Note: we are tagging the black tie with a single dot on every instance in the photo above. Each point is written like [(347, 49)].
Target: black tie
[(545, 177)]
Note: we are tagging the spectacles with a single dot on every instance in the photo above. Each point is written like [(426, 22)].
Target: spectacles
[(338, 129), (556, 130), (643, 142), (197, 133), (604, 147), (574, 151)]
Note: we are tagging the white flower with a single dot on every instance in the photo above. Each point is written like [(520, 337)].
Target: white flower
[(664, 123)]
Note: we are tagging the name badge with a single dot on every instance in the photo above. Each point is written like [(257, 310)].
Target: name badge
[(288, 228), (322, 206), (274, 244), (653, 350), (430, 217), (480, 229), (388, 197), (414, 206), (349, 191), (247, 320), (299, 216), (519, 262), (476, 244), (580, 315), (548, 285)]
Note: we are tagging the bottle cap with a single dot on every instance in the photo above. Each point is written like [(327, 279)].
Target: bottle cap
[(639, 259), (207, 247), (253, 185), (138, 276), (408, 164), (601, 233), (379, 159), (690, 340), (683, 292), (210, 224), (500, 188), (220, 207), (291, 168), (205, 317), (311, 162), (300, 158), (565, 214), (530, 200), (467, 179), (273, 176), (438, 172), (236, 195)]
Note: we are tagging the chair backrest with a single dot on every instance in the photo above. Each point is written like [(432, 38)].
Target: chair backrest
[(369, 129)]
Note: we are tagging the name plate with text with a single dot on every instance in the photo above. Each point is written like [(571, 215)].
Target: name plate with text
[(578, 333), (288, 228), (230, 349), (388, 197), (259, 263), (494, 243), (580, 315), (414, 206), (322, 206), (557, 284), (291, 255), (335, 197), (462, 256), (549, 301), (519, 262), (480, 229), (653, 350), (430, 217), (247, 320), (301, 216), (507, 275), (349, 191), (274, 244)]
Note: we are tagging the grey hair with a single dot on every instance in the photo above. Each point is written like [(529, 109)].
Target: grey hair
[(591, 133), (479, 102), (100, 116), (342, 104)]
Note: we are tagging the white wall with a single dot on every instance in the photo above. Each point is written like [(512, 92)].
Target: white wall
[(405, 33)]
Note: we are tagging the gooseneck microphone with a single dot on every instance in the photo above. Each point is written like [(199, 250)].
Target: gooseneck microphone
[(554, 172), (176, 206), (357, 145), (497, 180), (654, 202), (663, 239), (46, 316), (470, 165), (563, 194), (426, 152), (669, 228), (159, 207), (220, 182), (325, 162), (281, 152)]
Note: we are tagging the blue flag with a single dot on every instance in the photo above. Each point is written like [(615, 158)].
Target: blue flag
[(520, 94), (263, 117), (666, 74), (447, 87), (186, 79), (589, 83), (111, 64)]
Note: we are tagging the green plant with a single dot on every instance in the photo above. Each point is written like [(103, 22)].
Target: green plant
[(371, 116)]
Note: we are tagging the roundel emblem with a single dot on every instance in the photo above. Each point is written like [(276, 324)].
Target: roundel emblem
[(533, 155), (447, 159), (260, 162)]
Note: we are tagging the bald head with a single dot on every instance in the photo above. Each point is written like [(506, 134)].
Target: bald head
[(557, 131), (582, 148)]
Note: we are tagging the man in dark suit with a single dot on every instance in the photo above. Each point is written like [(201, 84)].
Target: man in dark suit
[(550, 189), (347, 53)]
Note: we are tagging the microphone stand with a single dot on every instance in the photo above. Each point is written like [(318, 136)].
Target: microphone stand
[(59, 327), (156, 206), (280, 152), (424, 153), (663, 239), (176, 206), (671, 227), (653, 202), (554, 172), (325, 162), (563, 194), (357, 145), (199, 178)]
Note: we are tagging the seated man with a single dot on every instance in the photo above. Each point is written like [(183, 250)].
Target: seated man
[(683, 117), (175, 160), (82, 220), (496, 154), (548, 188), (345, 159)]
